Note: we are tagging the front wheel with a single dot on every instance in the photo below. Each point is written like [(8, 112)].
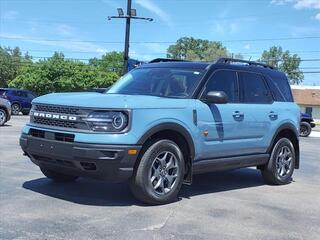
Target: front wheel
[(3, 117), (159, 175), (56, 176), (305, 129), (279, 169)]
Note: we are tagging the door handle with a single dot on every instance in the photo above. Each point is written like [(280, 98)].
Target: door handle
[(238, 115), (273, 115)]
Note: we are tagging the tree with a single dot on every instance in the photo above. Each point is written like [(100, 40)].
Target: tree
[(285, 62), (110, 62), (59, 75), (10, 62), (197, 50)]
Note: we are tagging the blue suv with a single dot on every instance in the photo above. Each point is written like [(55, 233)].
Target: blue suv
[(165, 121), (20, 99)]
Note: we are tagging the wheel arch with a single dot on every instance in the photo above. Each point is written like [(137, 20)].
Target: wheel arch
[(289, 131), (180, 135)]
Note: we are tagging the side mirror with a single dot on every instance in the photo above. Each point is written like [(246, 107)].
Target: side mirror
[(216, 97)]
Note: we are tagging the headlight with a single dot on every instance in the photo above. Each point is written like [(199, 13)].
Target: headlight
[(107, 121)]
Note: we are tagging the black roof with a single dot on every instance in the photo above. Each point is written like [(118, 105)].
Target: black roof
[(177, 64), (225, 63)]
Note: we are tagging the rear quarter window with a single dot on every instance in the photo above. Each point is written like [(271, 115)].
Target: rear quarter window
[(280, 88)]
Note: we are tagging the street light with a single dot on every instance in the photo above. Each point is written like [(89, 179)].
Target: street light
[(131, 14)]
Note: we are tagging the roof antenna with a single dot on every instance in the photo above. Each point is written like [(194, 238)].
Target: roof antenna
[(250, 58)]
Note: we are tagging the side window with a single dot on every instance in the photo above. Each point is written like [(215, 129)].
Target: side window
[(254, 89), (30, 95), (23, 94), (225, 81)]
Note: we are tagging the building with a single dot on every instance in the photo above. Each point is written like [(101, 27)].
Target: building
[(308, 98)]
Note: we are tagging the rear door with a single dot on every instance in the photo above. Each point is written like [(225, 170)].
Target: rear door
[(258, 110)]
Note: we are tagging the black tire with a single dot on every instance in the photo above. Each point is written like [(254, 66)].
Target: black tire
[(3, 117), (15, 108), (25, 112), (143, 188), (305, 129), (271, 172), (57, 177)]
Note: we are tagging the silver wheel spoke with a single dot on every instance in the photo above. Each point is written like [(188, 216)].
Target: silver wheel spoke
[(164, 172)]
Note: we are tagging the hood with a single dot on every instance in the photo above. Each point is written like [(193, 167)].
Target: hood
[(98, 100)]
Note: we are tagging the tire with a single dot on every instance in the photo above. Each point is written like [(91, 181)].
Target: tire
[(3, 117), (279, 169), (15, 108), (164, 163), (57, 177), (305, 129), (25, 112)]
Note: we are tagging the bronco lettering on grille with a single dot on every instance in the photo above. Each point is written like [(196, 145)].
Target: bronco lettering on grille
[(54, 116)]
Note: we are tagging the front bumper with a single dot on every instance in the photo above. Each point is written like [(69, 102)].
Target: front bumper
[(104, 162), (312, 124)]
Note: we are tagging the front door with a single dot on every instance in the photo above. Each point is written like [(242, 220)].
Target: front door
[(220, 125)]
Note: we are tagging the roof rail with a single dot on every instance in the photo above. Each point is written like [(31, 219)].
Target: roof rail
[(157, 60), (230, 60)]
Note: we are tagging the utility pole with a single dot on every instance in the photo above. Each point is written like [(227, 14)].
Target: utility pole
[(131, 14)]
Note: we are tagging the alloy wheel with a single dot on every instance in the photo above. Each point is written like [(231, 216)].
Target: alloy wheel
[(15, 108), (164, 172), (2, 117), (284, 161)]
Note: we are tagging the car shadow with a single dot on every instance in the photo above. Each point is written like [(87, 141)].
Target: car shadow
[(98, 193)]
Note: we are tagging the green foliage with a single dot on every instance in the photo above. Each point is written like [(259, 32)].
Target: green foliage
[(58, 74), (284, 61), (10, 62), (111, 62), (189, 48)]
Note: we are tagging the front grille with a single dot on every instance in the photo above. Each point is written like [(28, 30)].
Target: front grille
[(57, 109), (60, 110), (54, 122)]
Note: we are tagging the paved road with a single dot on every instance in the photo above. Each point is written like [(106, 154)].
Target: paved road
[(226, 205)]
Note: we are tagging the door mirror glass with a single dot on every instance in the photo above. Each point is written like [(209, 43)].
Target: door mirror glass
[(216, 97)]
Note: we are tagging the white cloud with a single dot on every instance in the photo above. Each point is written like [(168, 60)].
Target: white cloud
[(225, 27), (72, 44), (152, 7), (10, 15), (300, 4), (247, 46), (65, 30)]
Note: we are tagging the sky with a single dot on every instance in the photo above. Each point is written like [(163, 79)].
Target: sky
[(80, 29)]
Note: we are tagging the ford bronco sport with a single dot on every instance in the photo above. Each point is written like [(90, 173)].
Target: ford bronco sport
[(165, 121)]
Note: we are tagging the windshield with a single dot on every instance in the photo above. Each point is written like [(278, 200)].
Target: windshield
[(162, 82)]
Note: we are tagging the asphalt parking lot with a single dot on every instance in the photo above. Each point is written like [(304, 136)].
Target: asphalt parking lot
[(225, 205)]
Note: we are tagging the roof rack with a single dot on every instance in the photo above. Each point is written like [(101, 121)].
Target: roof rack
[(230, 60), (157, 60)]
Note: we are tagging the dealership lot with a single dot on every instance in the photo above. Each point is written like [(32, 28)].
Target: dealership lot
[(225, 205)]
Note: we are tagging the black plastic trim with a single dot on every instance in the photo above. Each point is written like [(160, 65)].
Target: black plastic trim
[(219, 164)]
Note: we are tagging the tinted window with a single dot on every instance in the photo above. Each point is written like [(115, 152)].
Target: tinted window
[(281, 89), (254, 89), (30, 95), (163, 82), (225, 81)]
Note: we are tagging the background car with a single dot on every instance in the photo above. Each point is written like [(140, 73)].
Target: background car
[(5, 111), (20, 99), (306, 125)]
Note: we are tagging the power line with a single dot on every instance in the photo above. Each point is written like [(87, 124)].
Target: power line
[(146, 42)]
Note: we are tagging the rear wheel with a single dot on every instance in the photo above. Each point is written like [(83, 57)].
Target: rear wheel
[(281, 164), (159, 175), (15, 108), (3, 117), (305, 129), (57, 177)]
